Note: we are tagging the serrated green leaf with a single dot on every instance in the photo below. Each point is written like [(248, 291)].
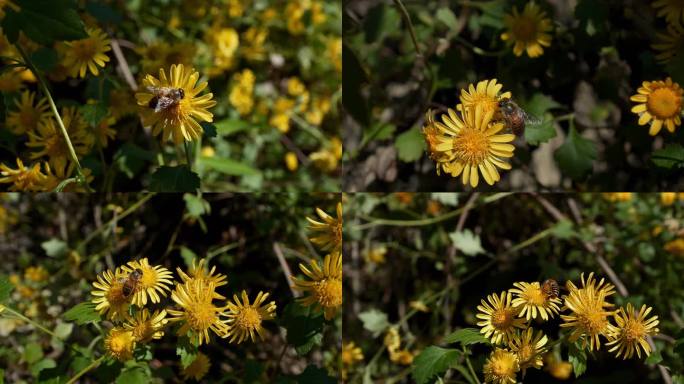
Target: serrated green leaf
[(536, 134), (82, 313), (44, 21), (314, 375), (186, 351), (410, 145), (433, 361), (5, 288), (564, 229), (670, 156), (467, 242), (466, 336), (576, 156), (578, 358), (174, 179), (55, 247), (654, 358), (135, 375), (374, 321), (228, 166), (304, 328), (446, 16)]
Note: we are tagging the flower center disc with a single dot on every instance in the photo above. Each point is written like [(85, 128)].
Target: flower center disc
[(329, 292), (633, 331), (201, 315), (524, 29), (664, 103), (248, 318), (472, 146), (501, 319)]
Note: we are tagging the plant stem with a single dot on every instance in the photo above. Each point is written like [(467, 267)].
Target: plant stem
[(125, 213), (85, 370), (470, 366), (46, 91), (407, 19), (187, 154), (26, 319)]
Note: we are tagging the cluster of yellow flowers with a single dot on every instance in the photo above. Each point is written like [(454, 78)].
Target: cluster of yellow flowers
[(397, 354), (506, 320), (122, 296), (469, 140)]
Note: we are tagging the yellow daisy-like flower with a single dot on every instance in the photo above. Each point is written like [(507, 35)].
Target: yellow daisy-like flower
[(245, 319), (527, 31), (23, 179), (392, 339), (351, 354), (155, 281), (670, 43), (198, 368), (499, 318), (631, 332), (28, 114), (673, 10), (197, 312), (10, 82), (589, 318), (108, 295), (376, 255), (471, 144), (49, 141), (198, 272), (120, 344), (36, 274), (178, 121), (87, 54), (501, 367), (486, 95), (324, 287), (327, 234), (559, 369), (402, 357), (240, 96), (660, 103), (146, 327), (530, 348), (531, 300)]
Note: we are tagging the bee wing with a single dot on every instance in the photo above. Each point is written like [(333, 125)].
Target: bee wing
[(163, 103), (532, 119)]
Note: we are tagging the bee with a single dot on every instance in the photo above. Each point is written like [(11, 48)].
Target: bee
[(165, 97), (550, 288), (130, 283), (515, 117)]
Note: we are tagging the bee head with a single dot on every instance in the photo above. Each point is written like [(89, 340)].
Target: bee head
[(138, 272), (181, 93), (507, 105)]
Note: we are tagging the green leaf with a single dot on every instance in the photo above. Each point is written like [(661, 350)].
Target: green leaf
[(676, 379), (467, 242), (538, 106), (174, 179), (93, 114), (135, 375), (209, 129), (188, 255), (45, 59), (576, 156), (55, 247), (44, 21), (131, 159), (410, 145), (380, 131), (374, 321), (38, 367), (82, 313), (196, 205), (670, 156), (466, 336), (314, 375), (63, 330), (654, 358), (578, 358), (5, 288), (446, 198), (228, 166), (433, 361), (186, 351), (304, 328), (228, 127), (32, 353), (564, 229), (446, 16), (536, 134)]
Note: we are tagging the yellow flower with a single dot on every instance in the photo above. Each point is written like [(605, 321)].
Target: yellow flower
[(198, 273), (28, 116), (673, 10), (501, 367), (560, 370), (530, 298), (146, 327), (471, 144), (419, 306), (49, 141), (155, 281), (104, 131), (670, 44), (295, 87), (499, 318), (318, 107), (120, 344), (162, 55), (294, 12), (527, 31), (392, 340), (178, 121), (23, 179), (10, 82), (291, 161), (376, 254), (529, 348), (280, 119), (618, 196), (198, 368), (245, 319), (324, 159), (53, 180), (631, 332), (198, 313), (224, 43), (675, 247), (37, 274), (402, 357), (254, 39), (668, 198), (486, 95), (108, 295), (324, 287), (334, 52), (88, 53), (240, 96), (659, 102), (327, 234), (351, 354), (589, 318)]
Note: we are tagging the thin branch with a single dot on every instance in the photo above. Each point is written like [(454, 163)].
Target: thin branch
[(286, 268), (123, 64)]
